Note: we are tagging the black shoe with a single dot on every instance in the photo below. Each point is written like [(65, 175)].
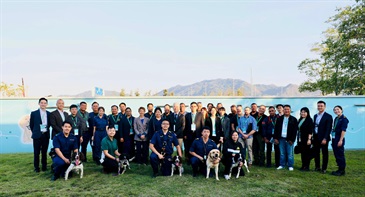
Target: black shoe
[(194, 174), (338, 173), (317, 169), (44, 169), (154, 175), (37, 170), (323, 171), (53, 178)]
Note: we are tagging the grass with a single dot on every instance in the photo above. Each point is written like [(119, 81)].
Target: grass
[(18, 179)]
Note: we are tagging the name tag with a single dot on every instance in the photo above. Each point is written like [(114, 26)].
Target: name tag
[(193, 127), (87, 124), (131, 132), (272, 132), (43, 127), (244, 130), (174, 128), (116, 127), (76, 131), (333, 134), (205, 157), (272, 140), (214, 133)]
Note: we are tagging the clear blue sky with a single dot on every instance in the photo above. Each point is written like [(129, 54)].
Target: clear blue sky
[(66, 47)]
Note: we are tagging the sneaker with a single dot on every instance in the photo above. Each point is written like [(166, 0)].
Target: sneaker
[(291, 169), (226, 177), (280, 167)]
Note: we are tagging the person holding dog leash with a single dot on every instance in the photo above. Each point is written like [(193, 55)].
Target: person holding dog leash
[(110, 155), (231, 149)]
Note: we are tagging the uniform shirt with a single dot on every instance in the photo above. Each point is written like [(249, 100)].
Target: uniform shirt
[(111, 146), (340, 124), (100, 123), (65, 144), (75, 123), (202, 149), (147, 115), (169, 138), (113, 121)]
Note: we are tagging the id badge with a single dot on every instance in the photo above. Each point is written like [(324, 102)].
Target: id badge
[(116, 127), (174, 128), (205, 157), (87, 124), (193, 127), (43, 127), (333, 134), (76, 131), (131, 132), (214, 134), (272, 140), (272, 132)]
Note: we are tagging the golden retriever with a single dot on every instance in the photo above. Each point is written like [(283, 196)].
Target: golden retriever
[(213, 162)]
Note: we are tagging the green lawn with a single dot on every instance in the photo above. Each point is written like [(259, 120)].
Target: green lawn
[(17, 178)]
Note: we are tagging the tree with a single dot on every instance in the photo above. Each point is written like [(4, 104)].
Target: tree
[(8, 90), (122, 92), (339, 69), (171, 94), (165, 92), (148, 93), (240, 91), (136, 92)]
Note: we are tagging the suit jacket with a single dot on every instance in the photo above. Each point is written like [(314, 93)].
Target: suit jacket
[(178, 125), (305, 129), (35, 122), (199, 125), (218, 126), (141, 128), (226, 127), (291, 130), (153, 126), (56, 122), (124, 127), (324, 127)]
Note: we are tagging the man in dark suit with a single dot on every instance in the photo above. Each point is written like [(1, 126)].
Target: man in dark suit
[(321, 137), (285, 133), (167, 115), (193, 127), (57, 117), (178, 123), (39, 125), (126, 133)]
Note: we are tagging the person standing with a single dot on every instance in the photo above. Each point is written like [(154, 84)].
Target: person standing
[(155, 122), (258, 144), (39, 125), (285, 134), (140, 126), (113, 120), (86, 132), (149, 113), (214, 123), (57, 117), (192, 127), (167, 115), (280, 109), (305, 132), (268, 126), (100, 126), (126, 131), (123, 108), (321, 137), (226, 123), (76, 124), (178, 123), (338, 140), (92, 115), (182, 109), (254, 111)]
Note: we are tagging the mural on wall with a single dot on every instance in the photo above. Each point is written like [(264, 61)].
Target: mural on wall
[(15, 134)]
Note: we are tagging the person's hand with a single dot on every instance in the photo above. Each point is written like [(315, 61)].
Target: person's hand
[(67, 161), (245, 136), (161, 156), (201, 159), (276, 141), (290, 142), (324, 141), (121, 140), (233, 155), (309, 142), (117, 159), (339, 144), (263, 139), (266, 140), (221, 139), (92, 138), (185, 137), (81, 140), (240, 164), (143, 137)]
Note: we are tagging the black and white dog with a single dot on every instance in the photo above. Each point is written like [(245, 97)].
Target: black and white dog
[(177, 165), (235, 163), (76, 164), (123, 164)]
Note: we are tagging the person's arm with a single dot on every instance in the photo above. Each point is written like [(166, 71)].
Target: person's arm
[(31, 121), (106, 153), (153, 149), (345, 122), (59, 153), (328, 128), (197, 156), (120, 130), (254, 126)]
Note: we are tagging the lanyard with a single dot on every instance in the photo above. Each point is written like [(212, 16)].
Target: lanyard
[(300, 123), (258, 120), (335, 125), (130, 121), (75, 120), (115, 119), (272, 122), (193, 117)]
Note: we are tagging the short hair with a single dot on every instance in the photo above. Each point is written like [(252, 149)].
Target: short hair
[(206, 128), (199, 103), (165, 120), (128, 108), (287, 105), (192, 103), (101, 108), (222, 109), (44, 99), (271, 107), (210, 104), (73, 106), (144, 109), (166, 105), (183, 104), (94, 103), (83, 102), (338, 107), (233, 106), (324, 103), (66, 122), (111, 127), (149, 104), (157, 109), (122, 103), (114, 106), (278, 105), (253, 104)]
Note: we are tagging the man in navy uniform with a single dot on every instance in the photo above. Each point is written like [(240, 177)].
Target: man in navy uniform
[(199, 151), (161, 146), (64, 144), (39, 125)]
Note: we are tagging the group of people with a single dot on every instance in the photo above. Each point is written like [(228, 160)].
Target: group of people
[(244, 130)]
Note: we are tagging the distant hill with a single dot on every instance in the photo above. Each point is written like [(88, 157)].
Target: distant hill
[(88, 94), (224, 87)]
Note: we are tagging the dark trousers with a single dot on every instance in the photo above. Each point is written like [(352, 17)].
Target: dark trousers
[(40, 146), (305, 154), (110, 165), (198, 166), (128, 146), (187, 145), (165, 164), (99, 135), (339, 153), (317, 146), (268, 154), (86, 139), (59, 166), (142, 151), (258, 149)]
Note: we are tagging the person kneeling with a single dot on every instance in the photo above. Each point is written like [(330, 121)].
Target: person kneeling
[(162, 149), (233, 153), (110, 154), (64, 143)]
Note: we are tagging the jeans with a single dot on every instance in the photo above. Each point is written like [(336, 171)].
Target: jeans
[(286, 151)]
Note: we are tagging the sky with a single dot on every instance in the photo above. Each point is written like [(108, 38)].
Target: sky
[(67, 47)]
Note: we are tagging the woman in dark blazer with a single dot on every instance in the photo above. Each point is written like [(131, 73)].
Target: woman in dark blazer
[(155, 123), (216, 133), (305, 129)]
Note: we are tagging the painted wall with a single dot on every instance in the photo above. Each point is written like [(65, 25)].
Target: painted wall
[(15, 135)]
